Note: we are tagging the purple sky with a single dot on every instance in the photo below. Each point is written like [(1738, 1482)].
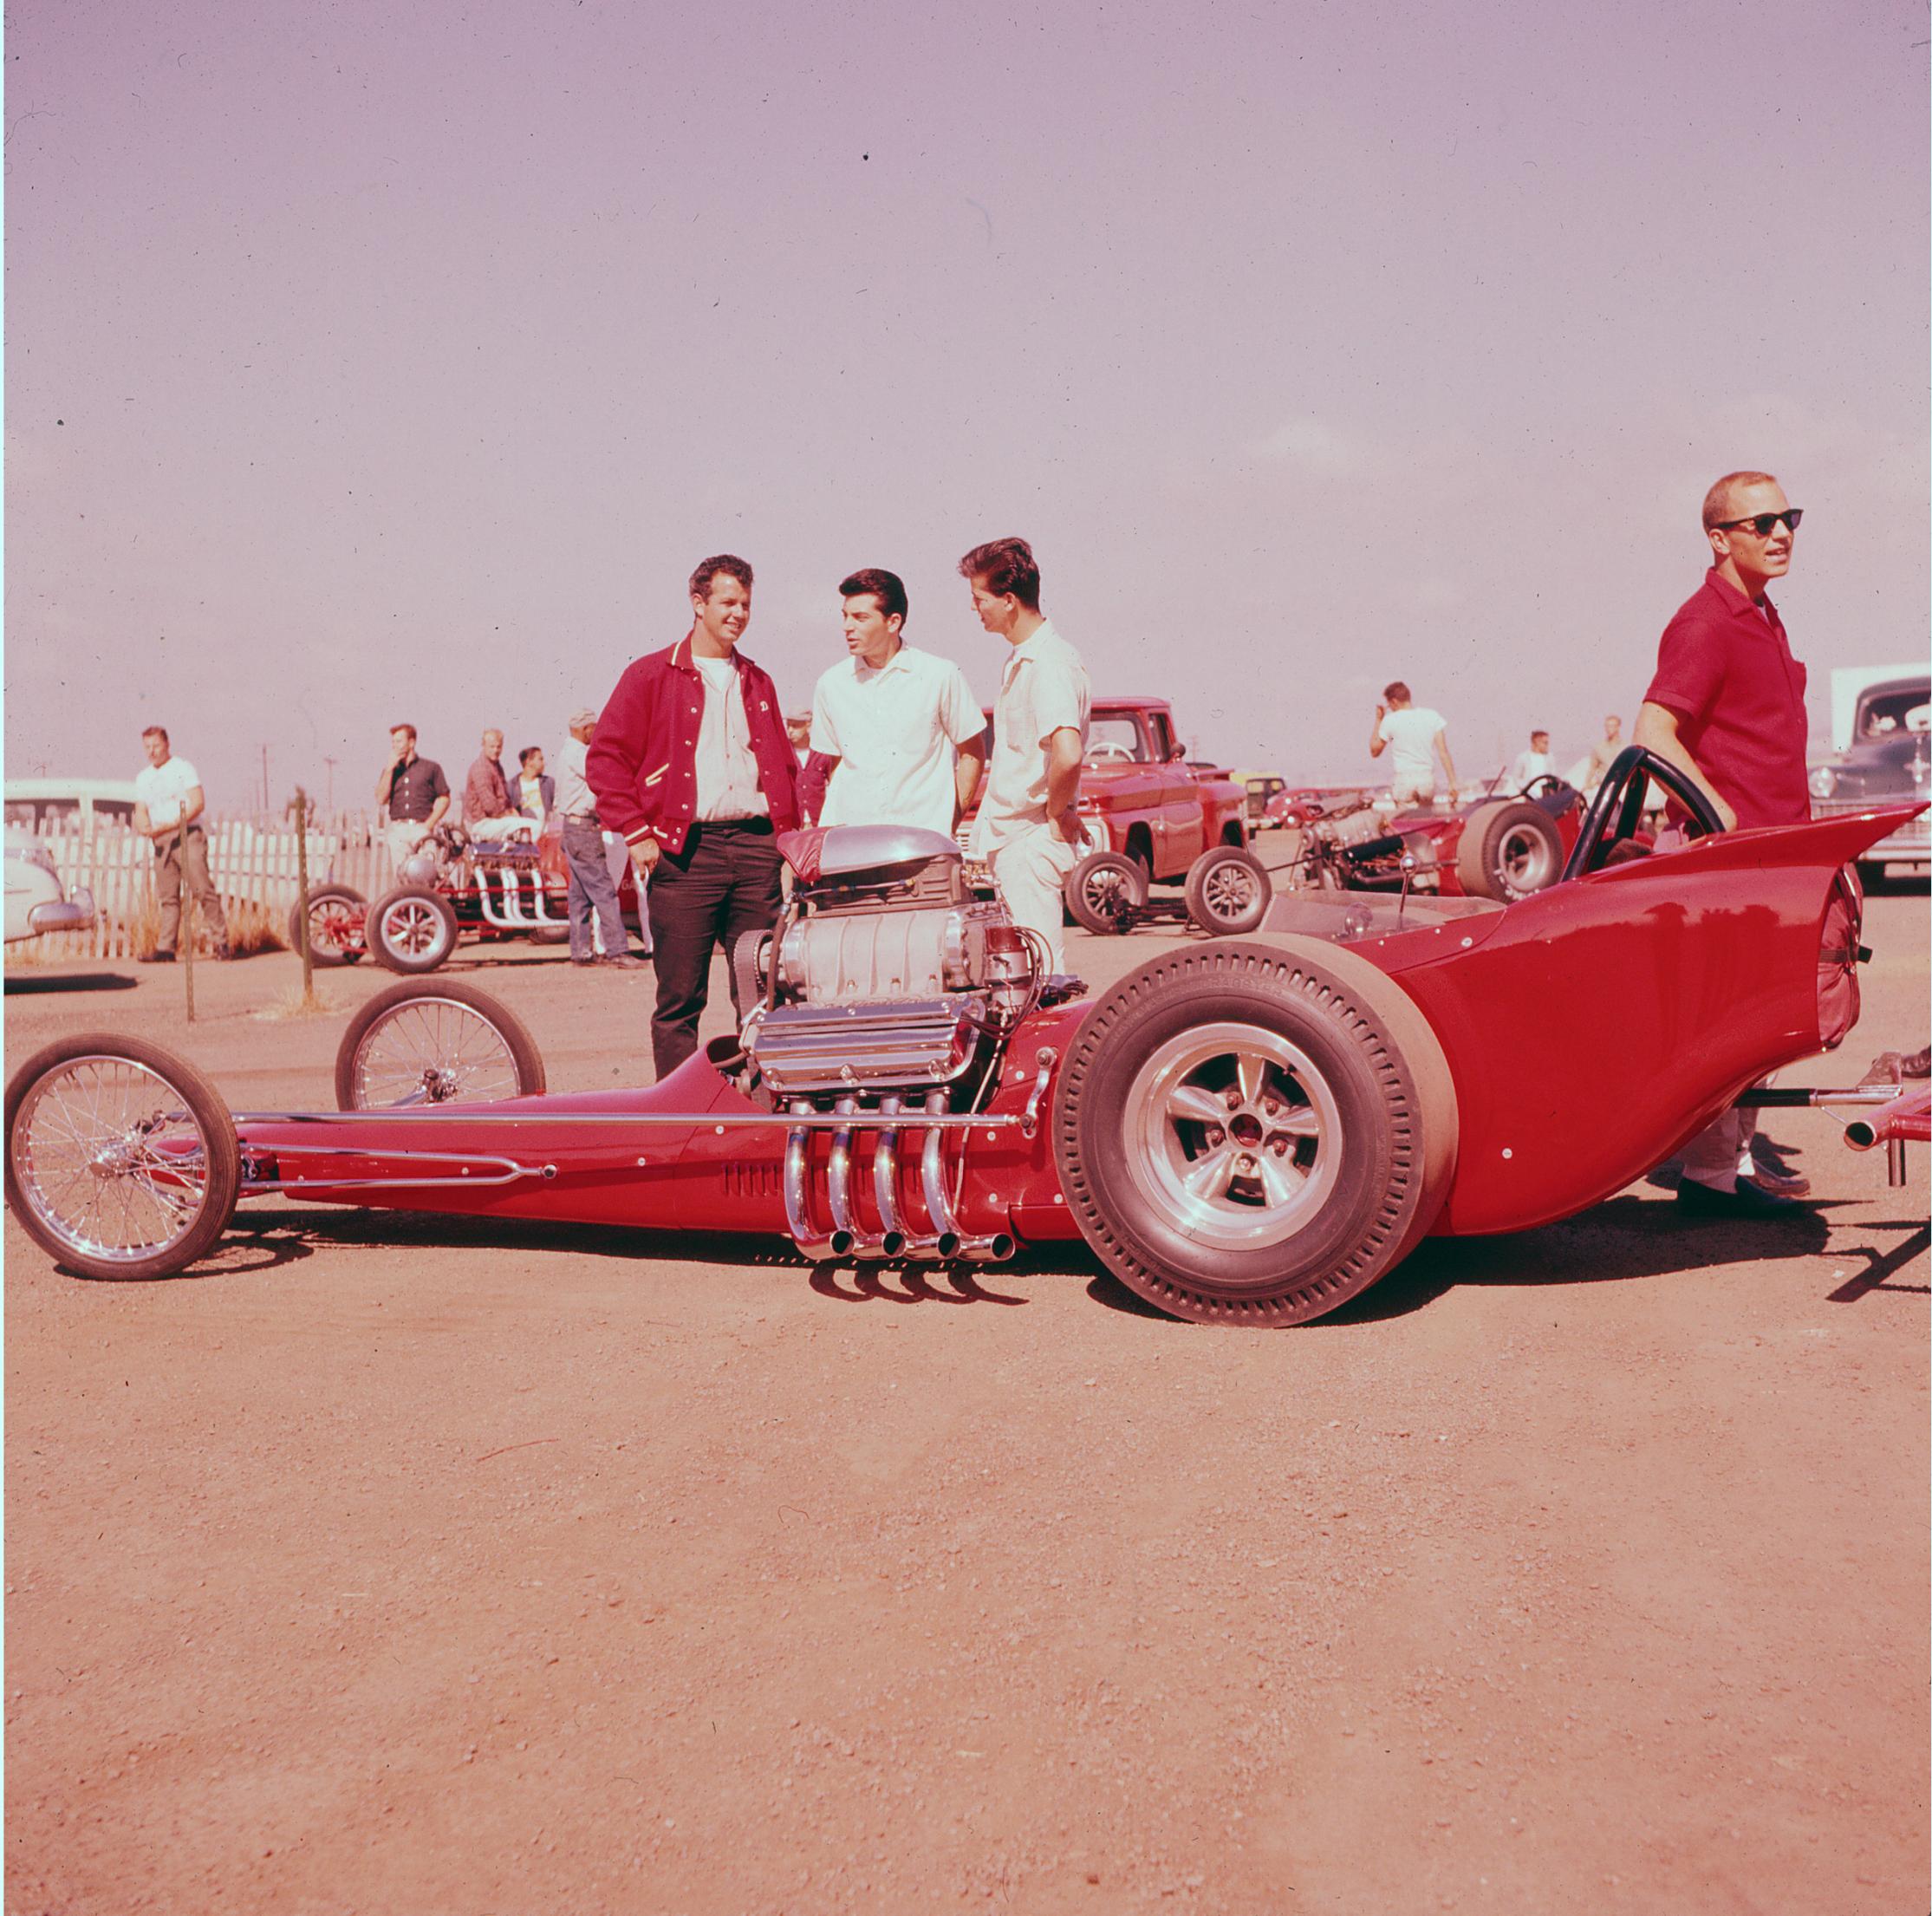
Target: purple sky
[(366, 362)]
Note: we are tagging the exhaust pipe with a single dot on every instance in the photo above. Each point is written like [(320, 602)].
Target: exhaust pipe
[(947, 1242), (805, 1235), (847, 1239), (885, 1184)]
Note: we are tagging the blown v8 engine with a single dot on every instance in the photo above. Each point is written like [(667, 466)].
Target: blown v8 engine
[(886, 987)]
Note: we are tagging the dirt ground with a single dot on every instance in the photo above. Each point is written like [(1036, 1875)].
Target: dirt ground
[(391, 1565)]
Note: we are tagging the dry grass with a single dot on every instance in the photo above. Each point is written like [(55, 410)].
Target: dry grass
[(290, 1003)]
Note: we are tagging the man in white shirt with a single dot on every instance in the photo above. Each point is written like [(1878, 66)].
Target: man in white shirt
[(900, 729), (1028, 830), (168, 805), (592, 897), (1534, 764), (1411, 731)]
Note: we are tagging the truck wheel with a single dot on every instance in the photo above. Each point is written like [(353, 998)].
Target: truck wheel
[(121, 1158), (1252, 1134), (1509, 849), (411, 929), (423, 1044), (336, 914), (1103, 892), (1229, 891)]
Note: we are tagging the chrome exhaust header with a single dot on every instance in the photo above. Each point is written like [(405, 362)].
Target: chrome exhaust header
[(812, 1243), (845, 1237), (895, 1238)]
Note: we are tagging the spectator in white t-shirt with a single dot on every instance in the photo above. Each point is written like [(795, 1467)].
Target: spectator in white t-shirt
[(899, 729), (1029, 829), (1411, 732), (1534, 764), (168, 806)]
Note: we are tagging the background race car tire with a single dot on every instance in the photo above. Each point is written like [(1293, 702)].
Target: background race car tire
[(1103, 889), (1332, 1067), (477, 1048), (1229, 891), (1509, 849), (410, 929), (333, 910), (78, 1099), (548, 935)]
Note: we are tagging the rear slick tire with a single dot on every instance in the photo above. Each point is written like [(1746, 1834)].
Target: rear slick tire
[(1252, 1134), (1509, 849), (333, 911), (1103, 892), (1229, 891), (412, 929)]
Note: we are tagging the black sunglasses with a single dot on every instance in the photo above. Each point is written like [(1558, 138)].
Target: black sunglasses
[(1762, 523)]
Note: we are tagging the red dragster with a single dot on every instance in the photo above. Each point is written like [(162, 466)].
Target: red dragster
[(1503, 848), (450, 889), (1245, 1131)]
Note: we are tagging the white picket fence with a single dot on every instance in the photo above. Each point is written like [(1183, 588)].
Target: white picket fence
[(251, 861)]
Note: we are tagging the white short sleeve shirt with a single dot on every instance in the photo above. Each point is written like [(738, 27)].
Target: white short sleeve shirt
[(164, 789), (1410, 733), (896, 730), (1044, 689)]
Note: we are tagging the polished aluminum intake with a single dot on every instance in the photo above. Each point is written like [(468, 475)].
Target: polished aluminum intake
[(914, 1042)]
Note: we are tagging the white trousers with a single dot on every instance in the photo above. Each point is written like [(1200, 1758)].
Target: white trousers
[(1031, 871), (1720, 1153), (404, 836)]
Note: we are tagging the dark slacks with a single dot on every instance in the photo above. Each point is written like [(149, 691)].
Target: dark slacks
[(724, 883)]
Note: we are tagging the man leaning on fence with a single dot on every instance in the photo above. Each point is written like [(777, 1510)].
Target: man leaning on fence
[(168, 806)]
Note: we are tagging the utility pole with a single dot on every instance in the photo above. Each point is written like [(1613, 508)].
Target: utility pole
[(264, 780), (330, 763)]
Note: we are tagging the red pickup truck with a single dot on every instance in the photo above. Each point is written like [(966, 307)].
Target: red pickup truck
[(1140, 798)]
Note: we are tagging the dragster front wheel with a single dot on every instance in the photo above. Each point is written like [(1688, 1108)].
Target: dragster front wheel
[(121, 1158), (419, 1042)]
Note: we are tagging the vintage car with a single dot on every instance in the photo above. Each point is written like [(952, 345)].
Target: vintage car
[(1880, 730), (1245, 1131), (1500, 846), (450, 889), (1140, 796), (36, 900)]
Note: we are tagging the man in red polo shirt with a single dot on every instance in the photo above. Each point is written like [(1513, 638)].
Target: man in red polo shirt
[(1727, 706), (690, 763)]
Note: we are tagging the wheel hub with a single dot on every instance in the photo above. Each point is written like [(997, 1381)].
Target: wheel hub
[(1234, 1134)]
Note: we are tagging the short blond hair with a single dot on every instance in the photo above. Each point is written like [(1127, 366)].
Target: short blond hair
[(1717, 501)]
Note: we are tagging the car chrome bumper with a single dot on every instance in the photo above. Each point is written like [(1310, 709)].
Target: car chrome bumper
[(74, 914), (1911, 845)]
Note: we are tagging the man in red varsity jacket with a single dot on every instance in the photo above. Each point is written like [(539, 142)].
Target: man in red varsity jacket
[(691, 764)]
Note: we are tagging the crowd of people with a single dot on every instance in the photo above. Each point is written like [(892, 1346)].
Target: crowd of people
[(691, 770)]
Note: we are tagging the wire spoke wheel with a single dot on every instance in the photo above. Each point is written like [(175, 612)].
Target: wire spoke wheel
[(419, 1043), (121, 1161)]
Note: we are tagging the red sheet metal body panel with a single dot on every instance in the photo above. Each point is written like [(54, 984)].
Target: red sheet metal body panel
[(1590, 1029), (1594, 1028)]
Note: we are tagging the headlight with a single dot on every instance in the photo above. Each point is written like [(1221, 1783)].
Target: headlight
[(1823, 781)]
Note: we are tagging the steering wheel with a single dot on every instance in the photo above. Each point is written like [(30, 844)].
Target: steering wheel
[(1617, 810), (1109, 749), (1544, 785)]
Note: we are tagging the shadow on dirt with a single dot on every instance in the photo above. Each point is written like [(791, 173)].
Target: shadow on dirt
[(261, 1242), (30, 986), (1626, 1238)]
